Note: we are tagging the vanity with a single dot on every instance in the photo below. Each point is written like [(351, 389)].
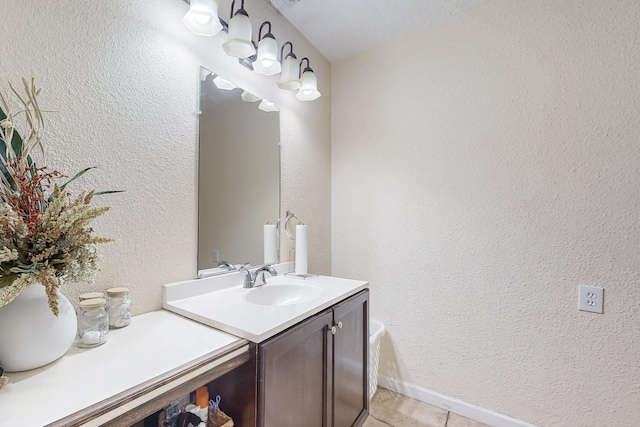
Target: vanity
[(309, 370), (311, 339)]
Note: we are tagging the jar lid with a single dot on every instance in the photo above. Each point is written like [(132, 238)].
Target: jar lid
[(90, 295), (93, 303), (117, 292)]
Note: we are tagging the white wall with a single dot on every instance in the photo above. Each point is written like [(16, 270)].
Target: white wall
[(123, 78), (482, 169)]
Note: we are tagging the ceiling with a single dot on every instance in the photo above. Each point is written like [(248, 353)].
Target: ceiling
[(340, 29)]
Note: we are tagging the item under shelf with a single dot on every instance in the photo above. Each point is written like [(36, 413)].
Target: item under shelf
[(219, 419)]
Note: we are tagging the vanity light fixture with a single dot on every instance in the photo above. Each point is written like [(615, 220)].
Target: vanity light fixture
[(308, 84), (223, 84), (239, 44), (268, 106), (289, 79), (267, 62), (249, 97), (202, 17)]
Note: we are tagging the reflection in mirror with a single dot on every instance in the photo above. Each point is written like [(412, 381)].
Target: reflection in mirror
[(238, 179)]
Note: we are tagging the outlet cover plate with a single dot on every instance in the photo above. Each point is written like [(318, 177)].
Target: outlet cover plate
[(590, 298)]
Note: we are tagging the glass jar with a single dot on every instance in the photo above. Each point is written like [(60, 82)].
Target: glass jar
[(118, 307), (93, 323)]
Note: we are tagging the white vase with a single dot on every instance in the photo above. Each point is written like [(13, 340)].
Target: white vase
[(31, 336)]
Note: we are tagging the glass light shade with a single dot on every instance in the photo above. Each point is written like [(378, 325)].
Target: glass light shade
[(204, 74), (239, 43), (202, 17), (223, 84), (267, 62), (308, 87), (268, 106), (289, 77), (249, 97)]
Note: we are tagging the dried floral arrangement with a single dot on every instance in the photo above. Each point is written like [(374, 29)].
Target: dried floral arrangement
[(44, 233)]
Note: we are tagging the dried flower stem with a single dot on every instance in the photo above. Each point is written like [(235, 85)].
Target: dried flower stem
[(44, 235)]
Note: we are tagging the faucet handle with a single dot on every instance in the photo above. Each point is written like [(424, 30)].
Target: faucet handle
[(248, 278)]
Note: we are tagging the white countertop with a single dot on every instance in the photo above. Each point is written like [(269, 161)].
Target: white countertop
[(152, 345), (221, 302)]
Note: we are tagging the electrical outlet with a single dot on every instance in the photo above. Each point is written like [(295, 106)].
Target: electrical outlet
[(590, 298), (215, 255)]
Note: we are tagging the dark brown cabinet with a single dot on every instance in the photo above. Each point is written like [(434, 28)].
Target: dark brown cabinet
[(351, 361), (315, 374)]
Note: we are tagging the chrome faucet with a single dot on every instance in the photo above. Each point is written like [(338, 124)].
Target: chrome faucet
[(257, 279), (226, 265)]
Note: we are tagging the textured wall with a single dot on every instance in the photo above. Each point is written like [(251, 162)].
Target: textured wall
[(483, 169), (123, 78)]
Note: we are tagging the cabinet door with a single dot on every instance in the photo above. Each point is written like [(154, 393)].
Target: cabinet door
[(294, 375), (351, 361)]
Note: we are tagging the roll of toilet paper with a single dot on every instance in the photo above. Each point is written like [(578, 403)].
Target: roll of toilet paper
[(301, 249), (270, 244)]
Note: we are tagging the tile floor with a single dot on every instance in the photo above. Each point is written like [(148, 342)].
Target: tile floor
[(389, 409)]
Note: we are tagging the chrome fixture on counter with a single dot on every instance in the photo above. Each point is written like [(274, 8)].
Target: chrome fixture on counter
[(261, 57), (251, 280)]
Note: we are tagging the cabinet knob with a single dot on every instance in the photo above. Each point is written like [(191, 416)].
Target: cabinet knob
[(339, 325), (333, 330)]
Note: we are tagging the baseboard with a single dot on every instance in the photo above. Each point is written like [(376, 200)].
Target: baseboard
[(450, 404)]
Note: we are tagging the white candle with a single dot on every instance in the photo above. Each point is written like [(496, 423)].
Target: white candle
[(270, 244), (91, 337), (301, 249)]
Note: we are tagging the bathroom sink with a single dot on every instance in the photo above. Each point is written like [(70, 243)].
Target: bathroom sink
[(283, 294), (257, 313)]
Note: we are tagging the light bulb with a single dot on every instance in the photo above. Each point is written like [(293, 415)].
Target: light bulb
[(201, 18), (267, 62)]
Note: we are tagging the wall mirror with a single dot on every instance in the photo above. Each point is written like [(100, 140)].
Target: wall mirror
[(238, 177)]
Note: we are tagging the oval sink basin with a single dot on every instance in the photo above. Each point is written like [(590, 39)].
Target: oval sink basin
[(285, 294)]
